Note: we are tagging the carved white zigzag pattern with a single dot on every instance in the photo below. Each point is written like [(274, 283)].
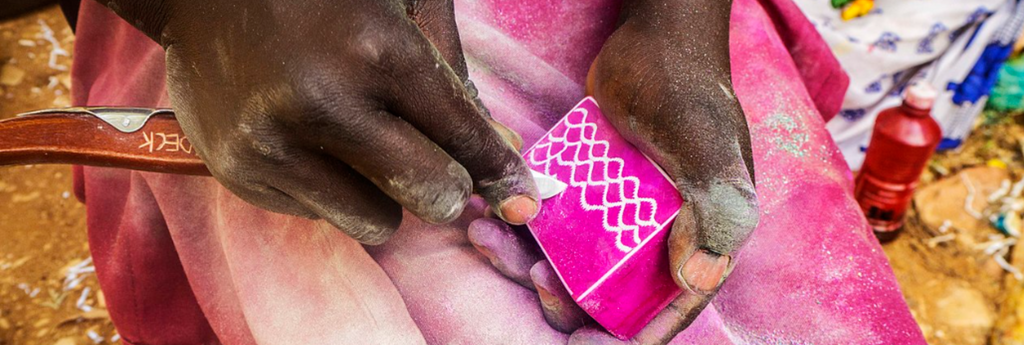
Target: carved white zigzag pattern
[(586, 144)]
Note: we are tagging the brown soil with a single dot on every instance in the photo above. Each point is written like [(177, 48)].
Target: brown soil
[(957, 293), (42, 226)]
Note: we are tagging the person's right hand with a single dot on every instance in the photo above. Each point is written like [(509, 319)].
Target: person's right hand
[(346, 110), (664, 81)]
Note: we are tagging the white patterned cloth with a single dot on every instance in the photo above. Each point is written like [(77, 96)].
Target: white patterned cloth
[(956, 45)]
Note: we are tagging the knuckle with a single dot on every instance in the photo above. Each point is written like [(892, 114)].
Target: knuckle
[(396, 52), (438, 202), (314, 101), (372, 46), (249, 157), (379, 46), (463, 139), (228, 166), (728, 215), (265, 149), (507, 179)]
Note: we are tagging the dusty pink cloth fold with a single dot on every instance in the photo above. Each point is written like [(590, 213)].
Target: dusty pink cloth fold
[(184, 261)]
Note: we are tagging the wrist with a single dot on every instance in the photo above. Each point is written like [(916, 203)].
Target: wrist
[(149, 16), (696, 31), (708, 14)]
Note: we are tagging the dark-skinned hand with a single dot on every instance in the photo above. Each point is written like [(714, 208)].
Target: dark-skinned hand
[(663, 79), (345, 110)]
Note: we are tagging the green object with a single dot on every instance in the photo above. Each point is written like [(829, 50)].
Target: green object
[(1008, 93), (840, 3)]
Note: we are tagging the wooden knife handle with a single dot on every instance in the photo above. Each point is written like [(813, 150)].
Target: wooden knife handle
[(72, 138)]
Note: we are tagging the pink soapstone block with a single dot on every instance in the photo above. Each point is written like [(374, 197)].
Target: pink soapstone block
[(606, 234)]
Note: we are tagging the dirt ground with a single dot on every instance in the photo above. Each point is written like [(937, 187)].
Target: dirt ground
[(42, 226), (958, 292)]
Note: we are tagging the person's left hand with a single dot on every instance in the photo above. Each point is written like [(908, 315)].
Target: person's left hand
[(663, 80), (346, 110)]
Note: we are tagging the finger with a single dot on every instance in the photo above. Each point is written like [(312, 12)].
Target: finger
[(715, 220), (692, 127), (402, 162), (245, 174), (512, 138), (666, 325), (430, 97), (341, 196), (561, 312), (714, 177), (436, 19), (673, 319), (509, 253), (703, 143), (275, 174), (593, 335), (266, 197)]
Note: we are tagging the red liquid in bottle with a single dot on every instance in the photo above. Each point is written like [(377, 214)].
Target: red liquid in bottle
[(902, 142)]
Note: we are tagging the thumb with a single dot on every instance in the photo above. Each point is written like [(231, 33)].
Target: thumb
[(718, 216), (715, 221)]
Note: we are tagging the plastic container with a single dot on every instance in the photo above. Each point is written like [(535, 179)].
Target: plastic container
[(903, 141)]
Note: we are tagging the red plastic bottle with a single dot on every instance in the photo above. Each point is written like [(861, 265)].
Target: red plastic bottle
[(902, 142)]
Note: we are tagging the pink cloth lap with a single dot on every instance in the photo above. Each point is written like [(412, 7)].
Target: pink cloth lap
[(184, 261)]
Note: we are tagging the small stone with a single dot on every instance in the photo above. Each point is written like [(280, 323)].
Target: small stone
[(62, 101), (4, 324), (41, 323), (65, 79), (19, 198), (944, 200), (11, 75), (20, 262), (26, 43), (967, 311), (66, 341), (67, 268)]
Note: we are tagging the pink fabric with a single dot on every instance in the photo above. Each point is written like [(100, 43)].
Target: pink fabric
[(184, 261), (821, 73)]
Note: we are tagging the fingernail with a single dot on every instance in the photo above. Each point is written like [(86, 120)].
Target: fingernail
[(518, 210), (475, 231), (510, 137), (513, 139), (547, 298), (704, 271), (484, 250), (542, 277)]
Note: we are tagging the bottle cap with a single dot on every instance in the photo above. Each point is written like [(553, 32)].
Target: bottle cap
[(920, 95)]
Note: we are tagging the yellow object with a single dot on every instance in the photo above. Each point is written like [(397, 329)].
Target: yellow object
[(857, 8), (995, 163), (1019, 45)]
